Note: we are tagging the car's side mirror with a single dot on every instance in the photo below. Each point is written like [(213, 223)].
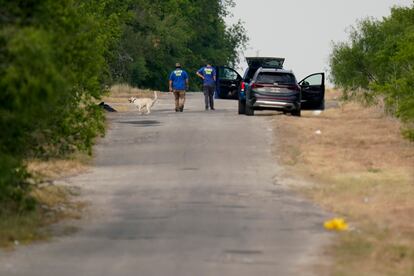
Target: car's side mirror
[(305, 83)]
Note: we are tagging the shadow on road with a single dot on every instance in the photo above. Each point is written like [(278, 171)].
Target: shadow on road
[(142, 123)]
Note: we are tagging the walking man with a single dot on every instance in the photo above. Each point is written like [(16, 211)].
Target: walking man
[(208, 74), (178, 84)]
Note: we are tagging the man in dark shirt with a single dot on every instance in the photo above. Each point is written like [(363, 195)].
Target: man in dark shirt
[(208, 74)]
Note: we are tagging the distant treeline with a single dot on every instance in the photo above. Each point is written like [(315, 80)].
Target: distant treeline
[(160, 33), (377, 64), (56, 58)]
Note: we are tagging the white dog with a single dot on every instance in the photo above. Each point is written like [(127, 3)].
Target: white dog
[(141, 103)]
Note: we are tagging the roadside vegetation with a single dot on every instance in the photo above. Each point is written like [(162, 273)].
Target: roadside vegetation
[(362, 170), (57, 57), (376, 65)]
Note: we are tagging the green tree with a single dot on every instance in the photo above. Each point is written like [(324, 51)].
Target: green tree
[(161, 33), (53, 66), (377, 64)]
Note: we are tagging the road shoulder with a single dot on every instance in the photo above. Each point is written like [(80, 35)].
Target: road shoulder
[(361, 169)]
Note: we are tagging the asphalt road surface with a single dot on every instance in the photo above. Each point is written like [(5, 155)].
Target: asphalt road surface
[(182, 194)]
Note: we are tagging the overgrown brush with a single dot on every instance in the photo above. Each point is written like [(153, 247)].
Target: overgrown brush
[(53, 65), (378, 64)]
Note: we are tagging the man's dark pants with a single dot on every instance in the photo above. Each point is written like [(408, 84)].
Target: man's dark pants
[(209, 95)]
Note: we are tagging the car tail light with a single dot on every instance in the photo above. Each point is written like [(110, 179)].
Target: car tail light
[(243, 86), (294, 87), (255, 85)]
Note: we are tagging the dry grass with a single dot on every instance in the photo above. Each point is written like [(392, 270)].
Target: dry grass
[(364, 171), (119, 93), (58, 168), (118, 96), (55, 202), (21, 229)]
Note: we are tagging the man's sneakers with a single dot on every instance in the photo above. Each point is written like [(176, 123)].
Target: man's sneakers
[(179, 109)]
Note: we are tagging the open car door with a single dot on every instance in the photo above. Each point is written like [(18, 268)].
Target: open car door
[(228, 82), (313, 92)]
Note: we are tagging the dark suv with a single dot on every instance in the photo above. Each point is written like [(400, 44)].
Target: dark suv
[(272, 89), (267, 86)]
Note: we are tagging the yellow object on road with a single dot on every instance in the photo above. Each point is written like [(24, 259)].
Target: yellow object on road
[(336, 224)]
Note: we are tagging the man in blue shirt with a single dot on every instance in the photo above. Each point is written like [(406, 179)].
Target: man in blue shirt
[(208, 74), (178, 85)]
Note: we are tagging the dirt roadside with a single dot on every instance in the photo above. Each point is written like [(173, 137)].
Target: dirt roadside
[(364, 173)]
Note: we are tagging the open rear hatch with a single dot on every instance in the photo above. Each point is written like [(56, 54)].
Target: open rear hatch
[(265, 62)]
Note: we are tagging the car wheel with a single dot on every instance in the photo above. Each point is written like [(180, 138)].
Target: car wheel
[(296, 112), (249, 109), (242, 107)]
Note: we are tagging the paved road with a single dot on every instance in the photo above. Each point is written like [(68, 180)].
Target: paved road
[(187, 194)]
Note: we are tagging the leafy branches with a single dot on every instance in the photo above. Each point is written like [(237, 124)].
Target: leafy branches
[(53, 65), (378, 63), (161, 33)]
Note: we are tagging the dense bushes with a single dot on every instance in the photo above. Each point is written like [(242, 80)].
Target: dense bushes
[(378, 64), (57, 56), (52, 67)]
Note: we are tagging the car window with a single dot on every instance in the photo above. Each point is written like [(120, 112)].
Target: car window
[(265, 62), (228, 74), (313, 80), (272, 64), (280, 78)]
